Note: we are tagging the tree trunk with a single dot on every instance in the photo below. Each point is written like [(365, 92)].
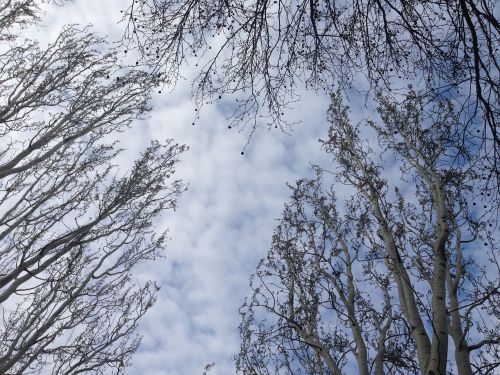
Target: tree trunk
[(462, 359), (439, 348), (462, 356), (405, 289)]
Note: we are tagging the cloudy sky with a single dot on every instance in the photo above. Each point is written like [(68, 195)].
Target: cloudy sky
[(224, 222)]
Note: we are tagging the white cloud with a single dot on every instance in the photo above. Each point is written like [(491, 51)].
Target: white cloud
[(222, 228)]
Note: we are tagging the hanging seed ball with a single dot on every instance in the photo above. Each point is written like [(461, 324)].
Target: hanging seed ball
[(242, 153)]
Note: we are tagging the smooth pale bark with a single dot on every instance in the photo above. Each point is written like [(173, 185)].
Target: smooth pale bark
[(348, 301), (462, 354), (394, 262), (439, 350), (405, 288), (310, 338), (366, 185), (379, 358), (319, 348), (462, 360)]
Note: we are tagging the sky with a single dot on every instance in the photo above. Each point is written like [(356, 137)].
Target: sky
[(224, 222)]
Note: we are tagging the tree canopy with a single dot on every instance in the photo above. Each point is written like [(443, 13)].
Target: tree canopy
[(379, 281), (259, 51), (73, 223)]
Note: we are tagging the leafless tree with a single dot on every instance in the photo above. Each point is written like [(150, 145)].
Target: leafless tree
[(73, 225), (259, 51), (384, 280)]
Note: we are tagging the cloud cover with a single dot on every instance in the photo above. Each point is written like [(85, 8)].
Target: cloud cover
[(224, 222)]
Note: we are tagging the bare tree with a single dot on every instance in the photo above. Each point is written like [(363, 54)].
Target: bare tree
[(384, 279), (260, 50), (73, 225)]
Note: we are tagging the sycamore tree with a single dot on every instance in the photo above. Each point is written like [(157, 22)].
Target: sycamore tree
[(73, 223), (388, 264)]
